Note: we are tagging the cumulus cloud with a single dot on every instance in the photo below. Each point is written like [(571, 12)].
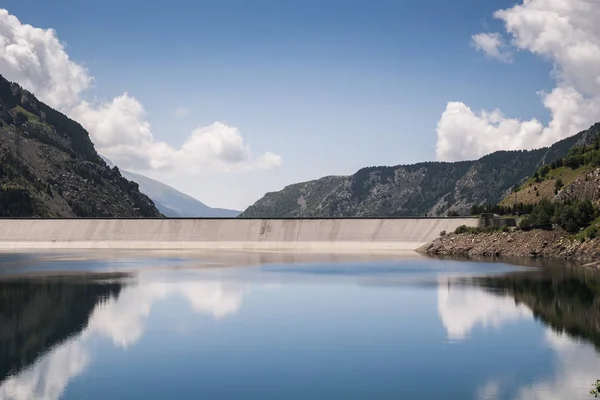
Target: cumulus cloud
[(122, 134), (562, 32), (35, 58), (493, 45)]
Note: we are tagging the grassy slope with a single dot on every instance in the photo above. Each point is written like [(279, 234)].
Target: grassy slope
[(532, 192)]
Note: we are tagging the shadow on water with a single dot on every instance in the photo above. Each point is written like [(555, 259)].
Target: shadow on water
[(38, 314)]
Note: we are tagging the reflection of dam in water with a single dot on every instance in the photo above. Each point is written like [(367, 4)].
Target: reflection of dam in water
[(344, 234)]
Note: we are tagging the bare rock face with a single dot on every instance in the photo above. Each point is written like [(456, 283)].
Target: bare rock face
[(586, 187), (49, 167)]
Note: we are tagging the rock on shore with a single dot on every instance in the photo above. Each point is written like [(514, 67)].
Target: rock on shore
[(536, 243)]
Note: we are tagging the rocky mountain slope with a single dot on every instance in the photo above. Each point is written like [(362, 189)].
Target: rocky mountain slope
[(172, 203), (573, 177), (49, 167), (432, 188)]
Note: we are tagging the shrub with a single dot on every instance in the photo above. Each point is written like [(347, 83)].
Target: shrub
[(461, 229), (475, 230), (540, 217), (443, 233), (559, 184), (574, 216)]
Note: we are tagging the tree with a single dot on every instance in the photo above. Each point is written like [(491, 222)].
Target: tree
[(559, 184), (596, 389)]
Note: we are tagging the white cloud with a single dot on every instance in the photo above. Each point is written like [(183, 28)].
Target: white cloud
[(461, 309), (35, 58), (567, 34), (122, 134), (493, 45)]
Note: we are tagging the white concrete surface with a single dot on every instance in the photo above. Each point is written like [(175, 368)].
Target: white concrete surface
[(344, 235)]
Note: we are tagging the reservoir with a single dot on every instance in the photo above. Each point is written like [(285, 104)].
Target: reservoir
[(120, 325)]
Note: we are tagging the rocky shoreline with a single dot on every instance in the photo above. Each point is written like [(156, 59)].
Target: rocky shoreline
[(556, 244)]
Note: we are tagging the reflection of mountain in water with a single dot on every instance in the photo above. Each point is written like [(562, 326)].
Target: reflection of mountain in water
[(566, 299), (36, 315)]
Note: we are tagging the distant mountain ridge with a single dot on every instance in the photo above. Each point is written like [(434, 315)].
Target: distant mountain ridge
[(429, 188), (49, 167), (171, 202)]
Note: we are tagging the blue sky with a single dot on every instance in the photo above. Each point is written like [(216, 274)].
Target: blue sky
[(329, 86)]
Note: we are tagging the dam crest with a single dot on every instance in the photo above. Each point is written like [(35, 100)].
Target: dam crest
[(308, 234)]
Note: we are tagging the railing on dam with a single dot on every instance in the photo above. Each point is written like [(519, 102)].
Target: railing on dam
[(243, 218)]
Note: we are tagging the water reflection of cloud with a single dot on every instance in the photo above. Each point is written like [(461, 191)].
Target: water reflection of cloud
[(123, 321), (489, 391), (49, 376), (463, 308), (577, 368)]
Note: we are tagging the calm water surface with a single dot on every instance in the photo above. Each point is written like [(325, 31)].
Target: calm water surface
[(124, 327)]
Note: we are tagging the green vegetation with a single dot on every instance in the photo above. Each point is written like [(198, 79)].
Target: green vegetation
[(517, 209), (576, 158), (596, 389), (477, 230), (571, 216), (15, 201), (24, 116)]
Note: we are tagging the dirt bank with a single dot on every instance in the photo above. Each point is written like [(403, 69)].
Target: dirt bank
[(535, 243)]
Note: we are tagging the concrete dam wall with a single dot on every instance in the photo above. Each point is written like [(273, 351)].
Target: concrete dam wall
[(352, 234)]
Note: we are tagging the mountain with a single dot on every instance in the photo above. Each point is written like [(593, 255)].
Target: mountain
[(49, 167), (173, 203), (429, 188), (575, 176)]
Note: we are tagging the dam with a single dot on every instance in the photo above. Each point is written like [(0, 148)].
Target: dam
[(307, 234)]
